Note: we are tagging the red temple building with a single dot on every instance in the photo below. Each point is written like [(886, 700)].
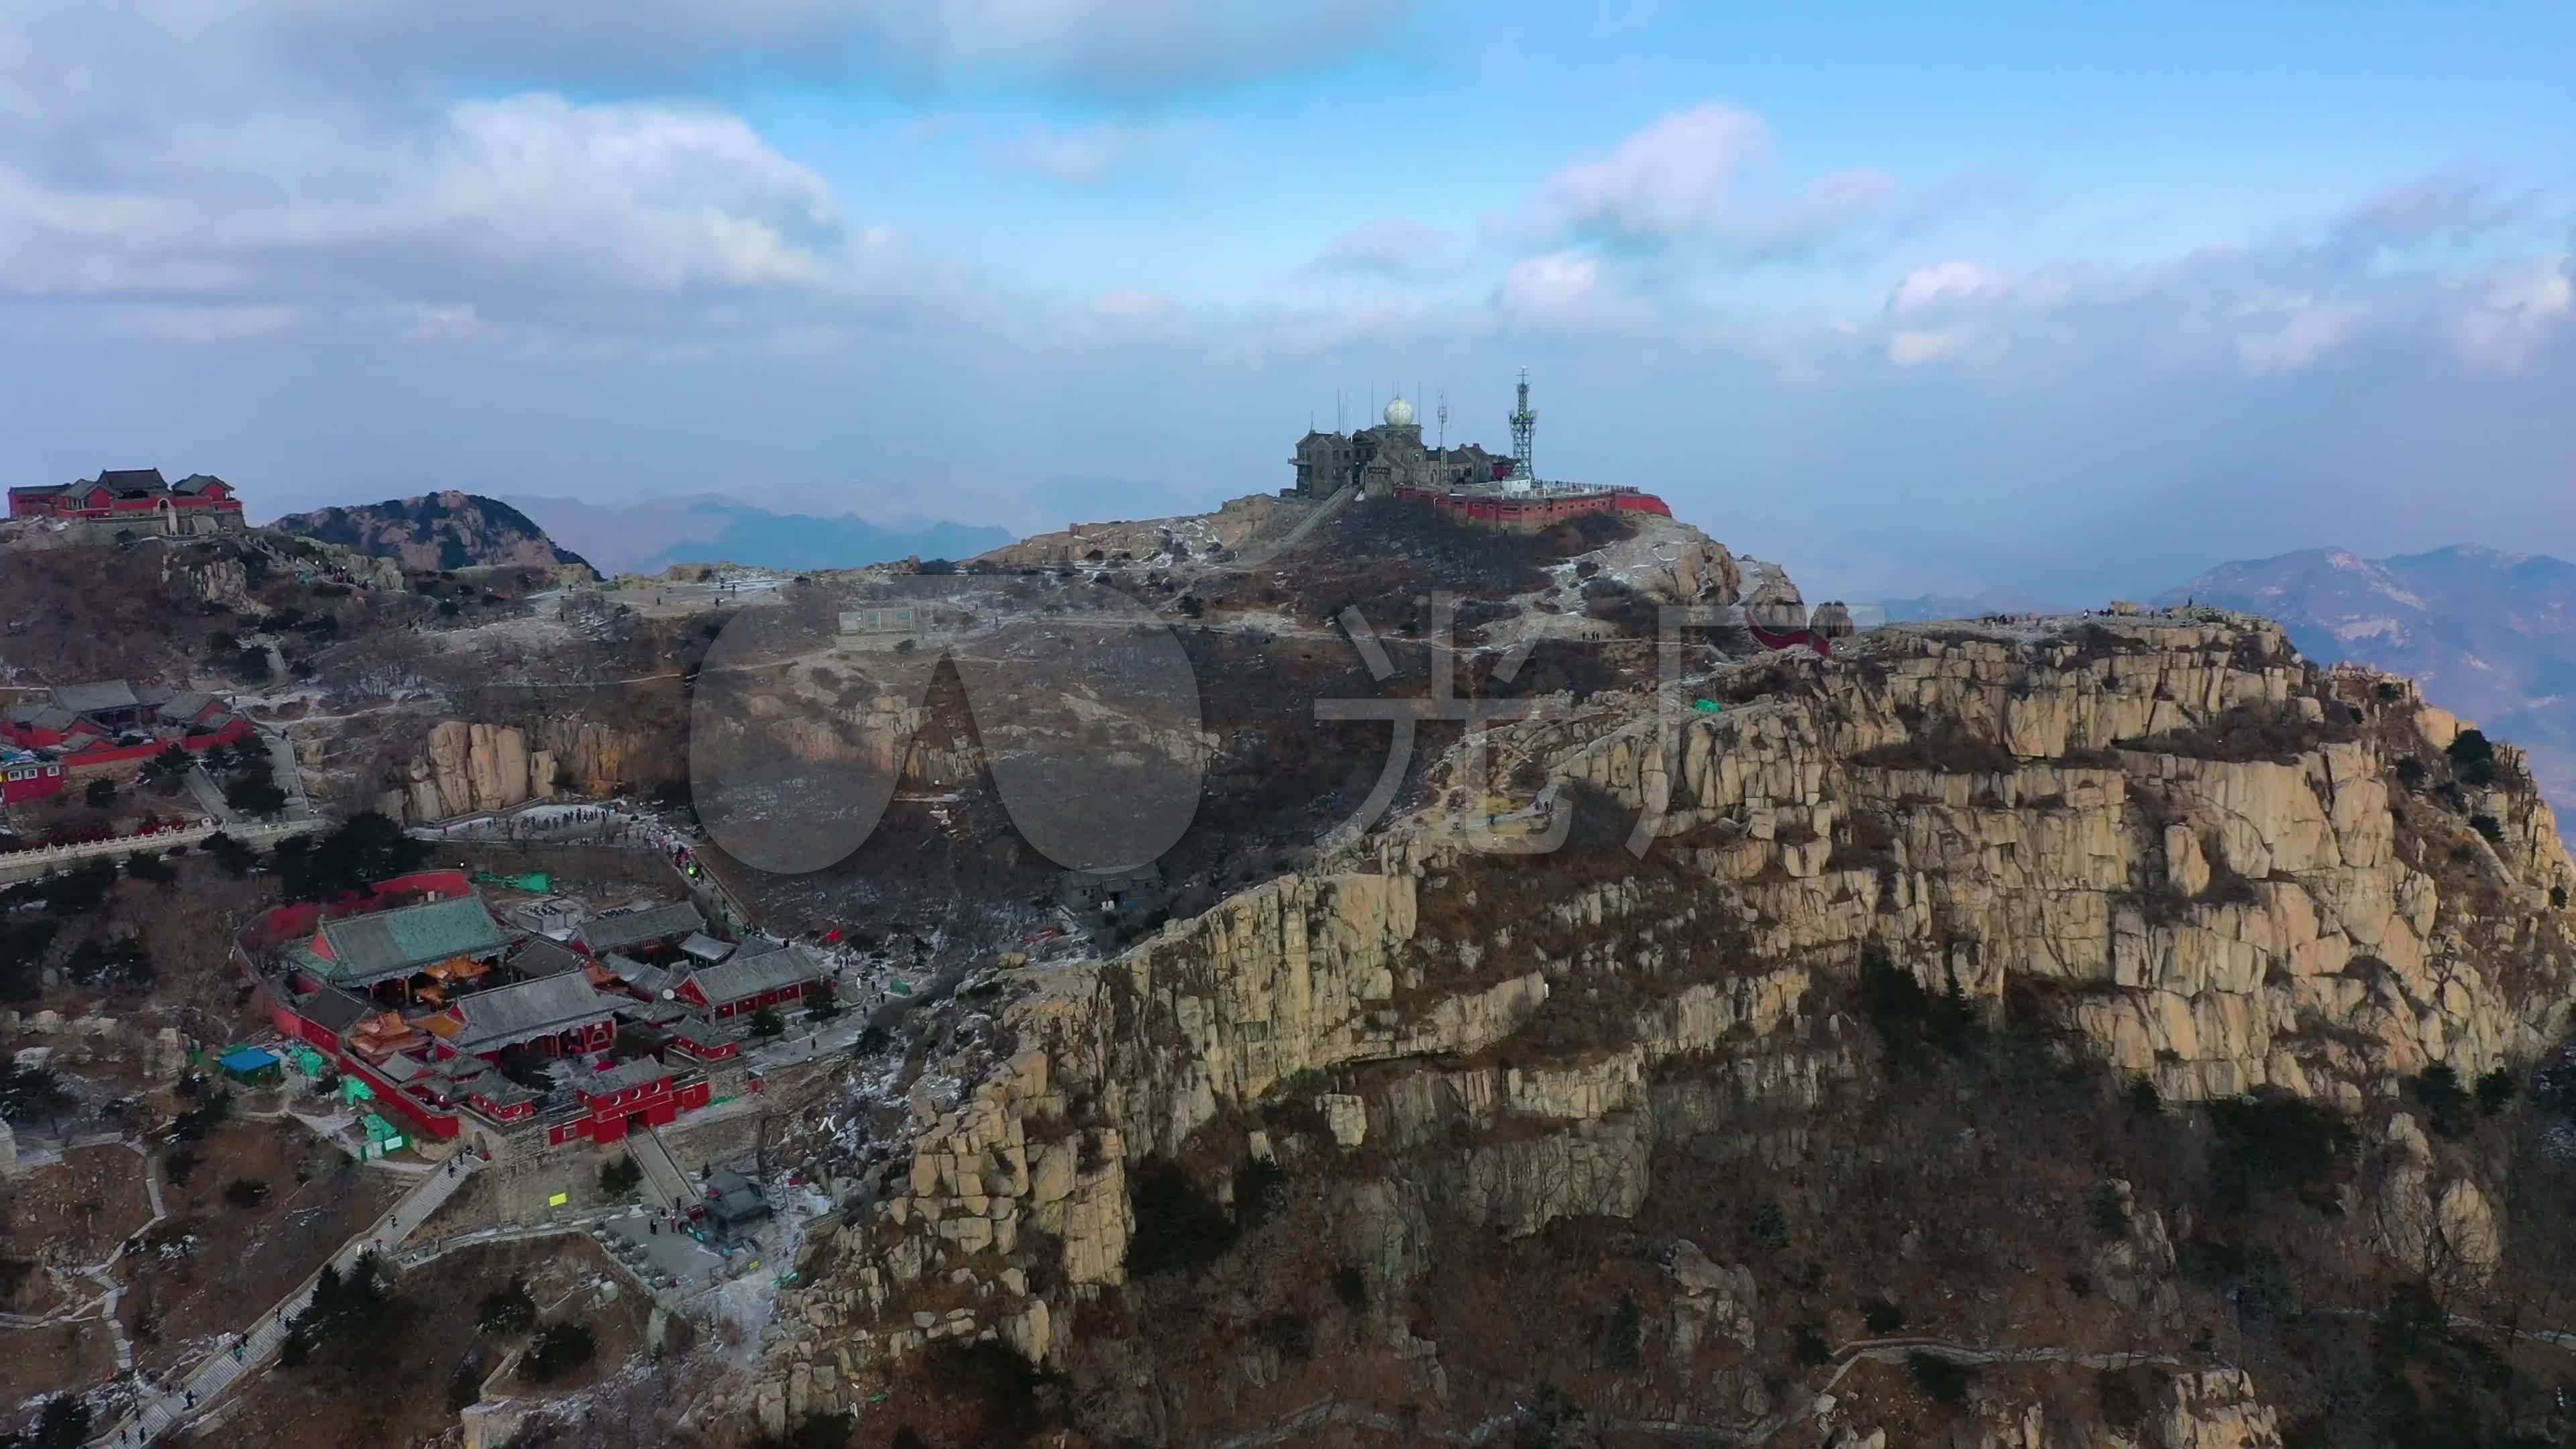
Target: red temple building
[(138, 498)]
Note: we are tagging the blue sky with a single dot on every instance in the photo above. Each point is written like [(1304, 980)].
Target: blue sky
[(1910, 298)]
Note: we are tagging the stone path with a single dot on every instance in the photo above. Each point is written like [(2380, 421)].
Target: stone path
[(664, 1182), (166, 1406)]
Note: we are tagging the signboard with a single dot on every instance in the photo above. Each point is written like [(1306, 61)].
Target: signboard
[(559, 1199)]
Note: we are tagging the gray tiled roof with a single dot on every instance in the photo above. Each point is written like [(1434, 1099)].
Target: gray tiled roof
[(753, 975), (603, 934), (131, 480), (335, 1010), (43, 717), (538, 956), (705, 947), (643, 976), (407, 938), (509, 1014), (86, 698), (642, 1071)]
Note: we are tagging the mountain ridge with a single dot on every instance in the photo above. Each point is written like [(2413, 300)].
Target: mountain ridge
[(653, 534)]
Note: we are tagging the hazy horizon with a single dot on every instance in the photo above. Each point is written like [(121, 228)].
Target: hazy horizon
[(1910, 303)]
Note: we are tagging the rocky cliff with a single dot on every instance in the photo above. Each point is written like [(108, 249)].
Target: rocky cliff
[(437, 531), (466, 768), (2202, 866)]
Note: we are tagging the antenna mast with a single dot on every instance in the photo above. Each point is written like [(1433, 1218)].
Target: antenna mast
[(1443, 415), (1524, 423)]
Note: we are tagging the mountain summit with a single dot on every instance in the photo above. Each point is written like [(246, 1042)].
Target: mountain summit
[(435, 531)]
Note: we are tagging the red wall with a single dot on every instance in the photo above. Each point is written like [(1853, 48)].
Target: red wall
[(1535, 512), (35, 787), (57, 506), (443, 1125)]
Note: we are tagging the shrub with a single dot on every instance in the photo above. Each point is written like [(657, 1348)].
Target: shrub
[(557, 1350), (1879, 1315), (2126, 1396), (507, 1309), (1942, 1381), (101, 793), (2558, 898), (2496, 1091), (767, 1022), (1350, 1286), (1289, 1335), (2488, 826), (2473, 757), (2438, 1088), (1000, 1382), (246, 1192), (620, 1176), (1177, 1225), (2273, 1142)]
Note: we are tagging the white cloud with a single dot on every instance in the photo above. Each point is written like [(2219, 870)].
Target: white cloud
[(2506, 321), (1945, 282), (2306, 330), (1669, 178), (1555, 287), (531, 202), (1914, 349), (1684, 176), (1400, 250)]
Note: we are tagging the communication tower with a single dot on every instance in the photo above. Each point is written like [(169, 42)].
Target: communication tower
[(1524, 423)]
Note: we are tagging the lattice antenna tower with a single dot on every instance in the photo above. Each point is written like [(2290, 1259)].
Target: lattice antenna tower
[(1524, 423)]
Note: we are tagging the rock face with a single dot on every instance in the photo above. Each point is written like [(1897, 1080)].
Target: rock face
[(2202, 850), (1231, 527), (466, 768), (2441, 1228)]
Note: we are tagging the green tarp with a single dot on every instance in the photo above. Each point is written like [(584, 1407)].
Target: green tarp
[(537, 881)]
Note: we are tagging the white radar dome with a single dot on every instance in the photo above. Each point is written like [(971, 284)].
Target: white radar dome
[(1399, 414)]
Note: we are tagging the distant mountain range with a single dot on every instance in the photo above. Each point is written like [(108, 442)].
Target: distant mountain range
[(435, 531), (2491, 635), (1923, 608), (650, 536)]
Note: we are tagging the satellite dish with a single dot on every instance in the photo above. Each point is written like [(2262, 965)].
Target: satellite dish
[(669, 995)]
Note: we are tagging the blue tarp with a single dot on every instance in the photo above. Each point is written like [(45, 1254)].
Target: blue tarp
[(248, 1059)]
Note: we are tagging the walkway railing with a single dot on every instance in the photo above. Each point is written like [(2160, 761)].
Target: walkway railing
[(162, 1409)]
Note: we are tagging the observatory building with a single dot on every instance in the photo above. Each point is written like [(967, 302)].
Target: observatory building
[(1464, 482)]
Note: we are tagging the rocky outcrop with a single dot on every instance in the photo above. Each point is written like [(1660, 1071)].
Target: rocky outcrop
[(1231, 528), (437, 531), (2438, 1225), (2201, 850), (466, 768)]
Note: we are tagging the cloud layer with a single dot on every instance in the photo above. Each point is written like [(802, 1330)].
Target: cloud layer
[(591, 201)]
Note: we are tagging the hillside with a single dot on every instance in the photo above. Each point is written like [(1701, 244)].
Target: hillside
[(2088, 1029), (2488, 634), (438, 531), (651, 536)]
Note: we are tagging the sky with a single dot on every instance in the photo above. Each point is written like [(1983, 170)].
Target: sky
[(1909, 298)]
